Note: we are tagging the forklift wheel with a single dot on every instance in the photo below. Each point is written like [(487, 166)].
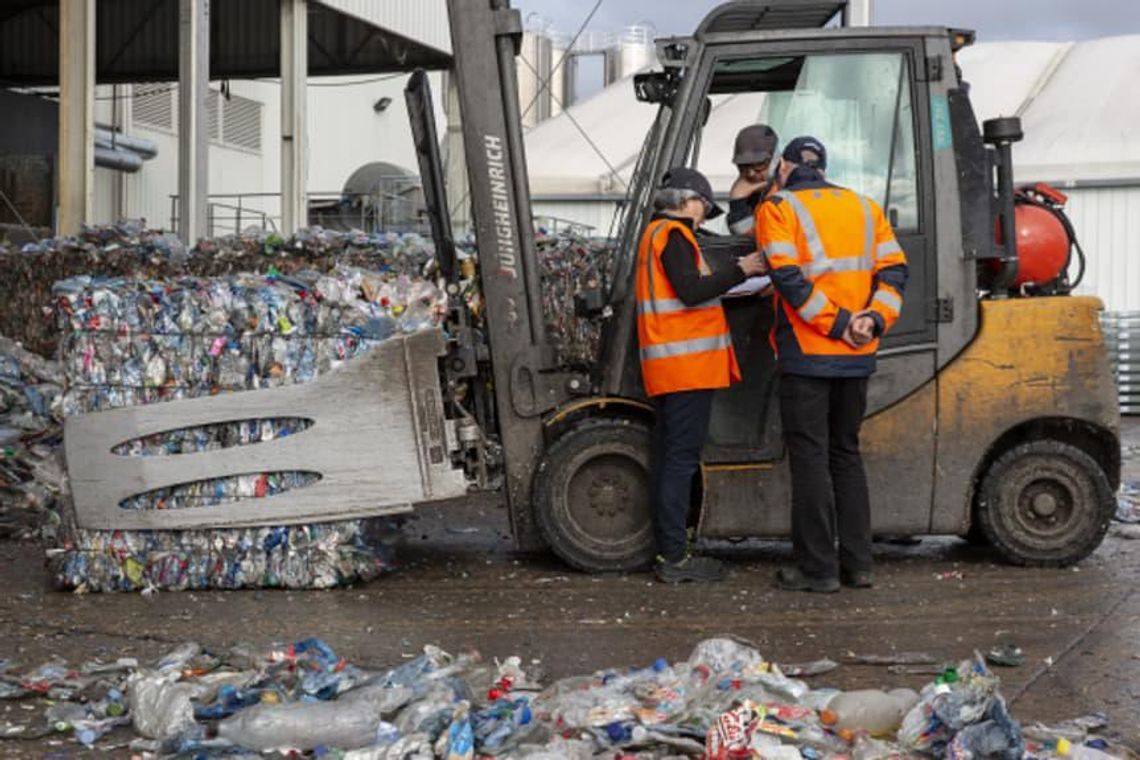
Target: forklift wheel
[(592, 496), (1046, 504)]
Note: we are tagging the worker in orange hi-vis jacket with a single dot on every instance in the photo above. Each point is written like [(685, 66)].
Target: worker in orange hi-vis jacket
[(686, 354), (839, 276)]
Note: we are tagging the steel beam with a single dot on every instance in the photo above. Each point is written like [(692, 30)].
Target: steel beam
[(294, 79), (458, 189), (858, 13), (76, 177), (193, 124)]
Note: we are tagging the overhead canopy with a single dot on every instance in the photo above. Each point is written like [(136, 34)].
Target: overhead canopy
[(763, 15), (137, 41)]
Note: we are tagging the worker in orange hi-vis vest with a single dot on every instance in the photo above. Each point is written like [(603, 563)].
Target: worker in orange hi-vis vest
[(839, 276), (686, 354)]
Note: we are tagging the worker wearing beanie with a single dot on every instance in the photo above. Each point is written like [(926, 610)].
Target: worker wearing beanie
[(839, 276), (686, 354)]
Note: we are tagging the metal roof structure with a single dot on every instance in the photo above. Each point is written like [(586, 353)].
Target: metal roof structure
[(137, 41)]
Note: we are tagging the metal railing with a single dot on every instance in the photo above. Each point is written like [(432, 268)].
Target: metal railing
[(1122, 337), (394, 205)]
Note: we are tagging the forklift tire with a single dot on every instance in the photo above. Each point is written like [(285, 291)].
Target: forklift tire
[(1045, 504), (592, 496), (975, 536)]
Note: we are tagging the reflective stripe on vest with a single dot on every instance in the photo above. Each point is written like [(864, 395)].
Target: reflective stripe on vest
[(888, 298), (820, 262), (670, 305), (685, 347), (807, 222), (887, 248), (788, 249), (813, 306)]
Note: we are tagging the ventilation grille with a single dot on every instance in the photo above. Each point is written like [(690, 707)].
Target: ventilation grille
[(212, 114), (241, 123), (153, 106)]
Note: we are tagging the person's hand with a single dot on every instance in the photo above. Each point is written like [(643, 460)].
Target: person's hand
[(863, 326), (752, 264)]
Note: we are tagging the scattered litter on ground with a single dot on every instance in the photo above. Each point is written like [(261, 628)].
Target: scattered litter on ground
[(809, 669), (1128, 503), (1127, 531), (725, 701), (948, 575), (896, 658), (1006, 655)]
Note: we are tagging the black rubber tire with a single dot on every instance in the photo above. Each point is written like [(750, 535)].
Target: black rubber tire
[(591, 496), (1045, 504), (975, 536)]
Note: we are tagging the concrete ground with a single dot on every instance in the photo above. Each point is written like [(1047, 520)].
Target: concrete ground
[(462, 587)]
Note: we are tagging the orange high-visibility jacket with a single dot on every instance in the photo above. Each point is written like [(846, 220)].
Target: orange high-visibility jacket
[(832, 253), (683, 348)]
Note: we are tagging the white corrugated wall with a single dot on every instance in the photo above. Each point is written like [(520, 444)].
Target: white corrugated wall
[(1107, 222)]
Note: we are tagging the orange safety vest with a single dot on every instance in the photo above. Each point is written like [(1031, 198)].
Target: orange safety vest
[(683, 348), (850, 260)]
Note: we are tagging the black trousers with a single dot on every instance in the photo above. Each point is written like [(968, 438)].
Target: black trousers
[(821, 418), (678, 437)]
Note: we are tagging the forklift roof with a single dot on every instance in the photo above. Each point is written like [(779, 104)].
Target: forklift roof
[(767, 15)]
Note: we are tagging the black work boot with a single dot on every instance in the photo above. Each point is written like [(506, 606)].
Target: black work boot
[(857, 578), (691, 567), (791, 579)]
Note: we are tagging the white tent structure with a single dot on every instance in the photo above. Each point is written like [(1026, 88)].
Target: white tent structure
[(1076, 102)]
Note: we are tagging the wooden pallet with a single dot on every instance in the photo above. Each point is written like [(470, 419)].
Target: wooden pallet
[(379, 441)]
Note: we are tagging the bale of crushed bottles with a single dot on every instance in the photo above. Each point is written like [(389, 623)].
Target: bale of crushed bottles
[(304, 700), (129, 249), (31, 472), (128, 342), (569, 264)]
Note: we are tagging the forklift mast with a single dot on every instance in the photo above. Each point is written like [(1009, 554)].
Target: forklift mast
[(486, 35)]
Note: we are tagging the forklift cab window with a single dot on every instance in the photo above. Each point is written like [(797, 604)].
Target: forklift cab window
[(857, 104)]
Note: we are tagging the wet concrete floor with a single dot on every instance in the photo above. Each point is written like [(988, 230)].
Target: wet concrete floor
[(461, 586)]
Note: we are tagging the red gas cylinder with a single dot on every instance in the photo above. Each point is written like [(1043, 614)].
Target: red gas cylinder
[(1042, 245)]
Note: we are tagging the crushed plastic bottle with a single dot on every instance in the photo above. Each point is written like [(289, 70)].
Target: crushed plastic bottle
[(876, 712)]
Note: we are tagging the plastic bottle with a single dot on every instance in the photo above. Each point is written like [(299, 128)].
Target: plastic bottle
[(1085, 752), (303, 726), (877, 712)]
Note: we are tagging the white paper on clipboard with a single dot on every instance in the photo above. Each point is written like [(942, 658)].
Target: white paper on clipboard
[(749, 287)]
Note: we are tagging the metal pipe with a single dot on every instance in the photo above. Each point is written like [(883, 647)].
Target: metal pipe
[(118, 141), (119, 160)]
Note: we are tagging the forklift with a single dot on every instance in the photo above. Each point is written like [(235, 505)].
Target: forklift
[(992, 415)]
